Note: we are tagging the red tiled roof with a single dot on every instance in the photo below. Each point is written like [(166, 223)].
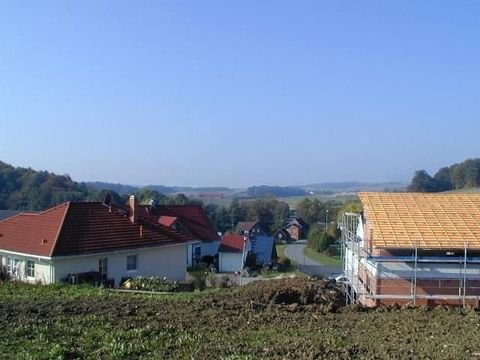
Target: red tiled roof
[(232, 243), (33, 233), (192, 217), (81, 228), (167, 220)]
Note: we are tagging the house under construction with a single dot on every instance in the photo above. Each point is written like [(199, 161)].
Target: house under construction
[(413, 248)]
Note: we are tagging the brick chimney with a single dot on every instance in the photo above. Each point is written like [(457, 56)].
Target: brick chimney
[(133, 204)]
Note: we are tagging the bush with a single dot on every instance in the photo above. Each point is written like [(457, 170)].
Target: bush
[(284, 264), (208, 259), (200, 279), (4, 275), (333, 250), (251, 260), (150, 284), (319, 241)]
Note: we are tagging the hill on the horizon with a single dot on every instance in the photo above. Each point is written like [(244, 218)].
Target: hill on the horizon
[(28, 189), (355, 186)]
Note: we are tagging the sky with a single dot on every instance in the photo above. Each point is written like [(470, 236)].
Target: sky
[(239, 93)]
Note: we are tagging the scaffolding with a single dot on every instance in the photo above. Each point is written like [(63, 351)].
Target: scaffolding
[(357, 260), (352, 250)]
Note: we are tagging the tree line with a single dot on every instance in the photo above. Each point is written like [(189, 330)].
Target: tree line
[(27, 189), (462, 175), (271, 212)]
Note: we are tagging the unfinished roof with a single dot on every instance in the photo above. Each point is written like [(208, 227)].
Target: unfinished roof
[(433, 221)]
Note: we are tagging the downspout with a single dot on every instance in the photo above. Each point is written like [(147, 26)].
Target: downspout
[(52, 273)]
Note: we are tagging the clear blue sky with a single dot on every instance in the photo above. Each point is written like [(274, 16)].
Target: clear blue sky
[(239, 93)]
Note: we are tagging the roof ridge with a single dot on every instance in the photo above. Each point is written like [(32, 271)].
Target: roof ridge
[(53, 208), (14, 216), (55, 241), (23, 213)]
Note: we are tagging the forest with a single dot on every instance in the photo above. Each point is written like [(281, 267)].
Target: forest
[(464, 175)]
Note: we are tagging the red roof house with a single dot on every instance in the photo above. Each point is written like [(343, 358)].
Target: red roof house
[(188, 219), (77, 237), (233, 252)]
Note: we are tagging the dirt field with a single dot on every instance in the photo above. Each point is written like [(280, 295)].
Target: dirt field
[(287, 319)]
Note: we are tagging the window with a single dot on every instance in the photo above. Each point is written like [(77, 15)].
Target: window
[(12, 266), (131, 262), (30, 268), (102, 268), (198, 252)]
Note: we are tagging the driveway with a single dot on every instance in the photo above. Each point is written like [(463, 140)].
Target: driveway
[(311, 267)]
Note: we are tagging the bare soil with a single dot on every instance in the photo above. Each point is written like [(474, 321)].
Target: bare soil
[(282, 319)]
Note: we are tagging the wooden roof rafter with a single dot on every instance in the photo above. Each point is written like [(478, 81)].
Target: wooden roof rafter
[(436, 221)]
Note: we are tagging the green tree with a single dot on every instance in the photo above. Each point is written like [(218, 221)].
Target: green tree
[(310, 210), (237, 212), (222, 219), (443, 177), (423, 182)]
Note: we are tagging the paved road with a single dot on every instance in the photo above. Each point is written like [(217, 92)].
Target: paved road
[(311, 267)]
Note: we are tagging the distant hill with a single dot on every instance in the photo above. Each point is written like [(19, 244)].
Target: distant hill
[(27, 189), (118, 188), (276, 191), (355, 186), (201, 189), (123, 189)]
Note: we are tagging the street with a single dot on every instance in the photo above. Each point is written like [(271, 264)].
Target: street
[(295, 252)]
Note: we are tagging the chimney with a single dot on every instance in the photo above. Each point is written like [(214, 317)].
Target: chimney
[(133, 204)]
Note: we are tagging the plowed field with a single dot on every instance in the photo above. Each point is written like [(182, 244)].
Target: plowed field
[(287, 319)]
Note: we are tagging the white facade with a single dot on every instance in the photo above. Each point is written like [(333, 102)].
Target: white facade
[(16, 265), (230, 262), (233, 261), (162, 261), (200, 250)]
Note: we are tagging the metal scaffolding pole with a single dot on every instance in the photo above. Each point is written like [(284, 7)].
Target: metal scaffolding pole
[(415, 277), (464, 275)]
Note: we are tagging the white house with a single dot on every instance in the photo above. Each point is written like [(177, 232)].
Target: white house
[(191, 220), (233, 253), (81, 237)]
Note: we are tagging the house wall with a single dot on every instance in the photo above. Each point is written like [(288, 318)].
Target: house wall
[(43, 268), (396, 278), (262, 246), (295, 232), (230, 262), (206, 248), (165, 261)]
